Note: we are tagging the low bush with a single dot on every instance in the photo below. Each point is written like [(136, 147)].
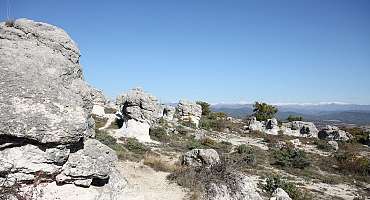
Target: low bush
[(111, 142), (214, 121), (288, 156), (159, 134), (243, 157), (359, 135), (133, 145), (353, 164), (292, 118), (275, 182), (323, 145)]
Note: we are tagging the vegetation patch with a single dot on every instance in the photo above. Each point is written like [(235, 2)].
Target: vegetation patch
[(274, 182), (159, 134), (288, 156)]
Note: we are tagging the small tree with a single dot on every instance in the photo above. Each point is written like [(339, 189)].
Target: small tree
[(263, 111), (206, 107), (292, 118)]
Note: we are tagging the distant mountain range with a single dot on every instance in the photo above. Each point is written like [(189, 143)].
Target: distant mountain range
[(324, 112)]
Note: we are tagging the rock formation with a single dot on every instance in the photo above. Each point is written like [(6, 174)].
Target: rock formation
[(189, 111), (334, 133), (46, 129), (280, 194), (168, 112), (200, 157), (295, 128), (300, 129), (139, 111)]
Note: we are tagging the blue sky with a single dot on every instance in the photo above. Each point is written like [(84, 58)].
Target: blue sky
[(218, 50)]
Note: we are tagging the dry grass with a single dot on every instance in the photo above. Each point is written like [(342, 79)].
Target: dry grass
[(159, 164)]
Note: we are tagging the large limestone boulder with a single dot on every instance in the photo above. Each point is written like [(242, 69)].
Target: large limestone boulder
[(300, 129), (189, 111), (233, 187), (43, 95), (334, 133), (45, 111), (200, 157), (139, 110)]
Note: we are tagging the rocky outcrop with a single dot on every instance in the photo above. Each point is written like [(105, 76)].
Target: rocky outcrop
[(280, 194), (168, 112), (189, 111), (46, 128), (334, 133), (334, 145), (300, 129), (97, 96), (269, 127), (139, 110), (233, 187), (295, 128), (200, 157)]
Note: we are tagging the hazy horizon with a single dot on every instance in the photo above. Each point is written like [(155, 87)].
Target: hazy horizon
[(218, 51)]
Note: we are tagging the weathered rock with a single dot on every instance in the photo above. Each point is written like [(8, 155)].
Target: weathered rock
[(52, 109), (234, 187), (25, 161), (189, 111), (272, 127), (134, 129), (97, 96), (334, 133), (94, 161), (113, 190), (255, 125), (295, 142), (280, 194), (45, 110), (300, 129), (140, 106), (168, 112), (139, 110), (200, 157), (334, 145)]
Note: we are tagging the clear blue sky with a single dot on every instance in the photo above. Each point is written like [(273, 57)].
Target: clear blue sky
[(218, 50)]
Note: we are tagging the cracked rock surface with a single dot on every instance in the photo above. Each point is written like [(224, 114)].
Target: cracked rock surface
[(45, 111)]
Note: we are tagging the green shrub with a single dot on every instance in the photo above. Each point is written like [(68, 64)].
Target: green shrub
[(133, 145), (263, 111), (214, 121), (359, 135), (105, 138), (111, 142), (206, 107), (323, 145), (188, 123), (290, 157), (244, 149), (193, 144), (275, 182), (159, 134), (353, 164), (292, 118)]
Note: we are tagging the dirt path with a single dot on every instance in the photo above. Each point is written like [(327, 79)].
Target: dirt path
[(146, 184)]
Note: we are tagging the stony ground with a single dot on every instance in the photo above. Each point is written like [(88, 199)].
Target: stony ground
[(146, 183)]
